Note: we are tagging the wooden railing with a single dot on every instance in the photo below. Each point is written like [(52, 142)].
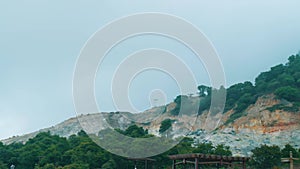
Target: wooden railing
[(289, 160)]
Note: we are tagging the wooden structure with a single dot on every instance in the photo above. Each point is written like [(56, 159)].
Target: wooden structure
[(204, 159), (148, 162), (289, 160)]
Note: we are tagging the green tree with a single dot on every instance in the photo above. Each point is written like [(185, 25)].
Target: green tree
[(76, 166), (87, 152), (204, 90), (5, 153), (205, 103), (29, 156), (286, 79), (204, 148), (289, 93), (181, 101), (165, 125), (109, 164), (47, 166), (222, 150), (266, 157), (241, 93), (286, 151), (3, 165), (134, 131), (185, 146)]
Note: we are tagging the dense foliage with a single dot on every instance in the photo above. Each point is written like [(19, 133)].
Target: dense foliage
[(165, 125), (46, 151), (268, 157), (281, 80), (179, 100)]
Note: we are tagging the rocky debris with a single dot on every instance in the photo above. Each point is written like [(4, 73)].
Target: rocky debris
[(242, 143)]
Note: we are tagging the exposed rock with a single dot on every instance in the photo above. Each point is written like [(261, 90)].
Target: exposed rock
[(258, 125)]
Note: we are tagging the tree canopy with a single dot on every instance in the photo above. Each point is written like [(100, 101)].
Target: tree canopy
[(282, 80), (46, 151)]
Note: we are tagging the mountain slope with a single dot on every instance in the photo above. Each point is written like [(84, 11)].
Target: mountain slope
[(264, 113), (259, 126)]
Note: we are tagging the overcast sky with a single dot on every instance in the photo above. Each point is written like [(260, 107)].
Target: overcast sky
[(40, 41)]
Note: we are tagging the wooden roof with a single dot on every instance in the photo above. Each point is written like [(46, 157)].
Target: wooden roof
[(208, 157)]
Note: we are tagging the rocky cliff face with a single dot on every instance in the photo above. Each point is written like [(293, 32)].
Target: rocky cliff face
[(261, 120), (258, 125)]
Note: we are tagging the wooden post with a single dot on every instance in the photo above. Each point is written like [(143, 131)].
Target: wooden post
[(174, 164), (196, 163), (146, 164), (244, 164), (291, 160)]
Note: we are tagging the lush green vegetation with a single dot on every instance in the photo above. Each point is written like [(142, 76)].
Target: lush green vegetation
[(266, 157), (179, 100), (281, 80), (208, 148), (205, 94), (270, 156), (46, 151), (165, 125), (135, 132), (185, 105)]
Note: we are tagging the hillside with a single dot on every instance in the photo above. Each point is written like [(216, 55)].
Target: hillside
[(266, 112)]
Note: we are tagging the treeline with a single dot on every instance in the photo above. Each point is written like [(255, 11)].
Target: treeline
[(282, 80), (269, 157), (46, 151)]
